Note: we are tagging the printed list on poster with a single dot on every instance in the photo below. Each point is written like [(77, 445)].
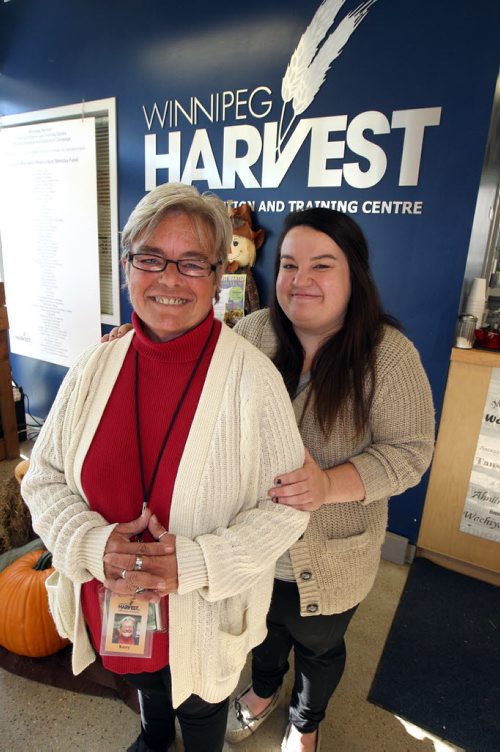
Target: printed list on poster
[(48, 220)]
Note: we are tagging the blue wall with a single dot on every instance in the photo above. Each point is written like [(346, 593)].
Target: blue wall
[(404, 56)]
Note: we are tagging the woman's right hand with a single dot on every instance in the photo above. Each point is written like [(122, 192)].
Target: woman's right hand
[(158, 573), (116, 332)]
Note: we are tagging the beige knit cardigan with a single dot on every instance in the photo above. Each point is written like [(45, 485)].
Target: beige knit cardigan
[(336, 560), (229, 533)]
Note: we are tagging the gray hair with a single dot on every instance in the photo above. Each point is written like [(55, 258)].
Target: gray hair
[(177, 197), (127, 618)]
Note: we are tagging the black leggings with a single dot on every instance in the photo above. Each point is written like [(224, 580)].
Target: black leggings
[(203, 724), (319, 651)]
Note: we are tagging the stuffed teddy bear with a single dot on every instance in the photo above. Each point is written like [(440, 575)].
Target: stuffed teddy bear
[(242, 254)]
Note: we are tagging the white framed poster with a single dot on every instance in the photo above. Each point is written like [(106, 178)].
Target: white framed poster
[(481, 514), (49, 229), (104, 113)]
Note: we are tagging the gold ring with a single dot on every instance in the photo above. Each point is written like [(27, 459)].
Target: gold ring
[(162, 534), (140, 590), (138, 564), (123, 573)]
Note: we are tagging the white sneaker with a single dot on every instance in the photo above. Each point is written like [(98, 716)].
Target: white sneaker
[(287, 734), (241, 723)]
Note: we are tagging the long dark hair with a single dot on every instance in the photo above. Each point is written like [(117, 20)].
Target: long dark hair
[(343, 368)]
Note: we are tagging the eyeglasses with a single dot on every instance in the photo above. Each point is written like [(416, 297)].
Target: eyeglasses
[(149, 262)]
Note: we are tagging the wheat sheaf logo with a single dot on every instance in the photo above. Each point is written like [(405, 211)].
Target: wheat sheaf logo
[(311, 61)]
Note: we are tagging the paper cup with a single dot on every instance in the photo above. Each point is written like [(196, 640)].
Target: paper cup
[(478, 289), (476, 310), (474, 307)]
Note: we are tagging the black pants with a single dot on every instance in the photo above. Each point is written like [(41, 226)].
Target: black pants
[(203, 724), (319, 652)]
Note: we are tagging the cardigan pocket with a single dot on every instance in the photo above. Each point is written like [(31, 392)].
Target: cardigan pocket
[(347, 569), (232, 651), (343, 545), (61, 603)]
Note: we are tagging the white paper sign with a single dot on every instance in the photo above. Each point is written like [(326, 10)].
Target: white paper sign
[(481, 515), (48, 226)]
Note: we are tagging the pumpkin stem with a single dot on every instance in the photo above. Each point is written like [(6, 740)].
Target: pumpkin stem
[(44, 562)]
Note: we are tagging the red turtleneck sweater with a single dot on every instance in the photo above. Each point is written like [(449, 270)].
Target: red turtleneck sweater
[(111, 472)]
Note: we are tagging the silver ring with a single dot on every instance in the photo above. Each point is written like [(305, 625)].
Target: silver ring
[(123, 573), (138, 564), (139, 590), (162, 534)]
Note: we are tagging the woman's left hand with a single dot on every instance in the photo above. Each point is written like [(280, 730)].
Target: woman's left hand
[(143, 569), (306, 488)]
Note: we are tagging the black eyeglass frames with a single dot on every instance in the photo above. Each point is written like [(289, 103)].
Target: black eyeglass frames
[(150, 262)]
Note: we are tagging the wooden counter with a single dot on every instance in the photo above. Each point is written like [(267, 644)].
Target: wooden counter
[(440, 538)]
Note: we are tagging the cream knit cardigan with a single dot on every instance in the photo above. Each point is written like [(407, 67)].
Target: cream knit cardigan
[(229, 533), (335, 562)]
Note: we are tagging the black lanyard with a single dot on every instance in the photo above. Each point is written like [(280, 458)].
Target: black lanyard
[(146, 493)]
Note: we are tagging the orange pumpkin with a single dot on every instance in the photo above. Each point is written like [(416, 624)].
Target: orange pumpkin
[(26, 626)]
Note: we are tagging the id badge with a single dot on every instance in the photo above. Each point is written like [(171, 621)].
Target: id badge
[(126, 626)]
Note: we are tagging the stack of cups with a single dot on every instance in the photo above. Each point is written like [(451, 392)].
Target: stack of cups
[(476, 300)]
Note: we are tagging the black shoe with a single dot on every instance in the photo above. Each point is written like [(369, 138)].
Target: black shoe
[(140, 745)]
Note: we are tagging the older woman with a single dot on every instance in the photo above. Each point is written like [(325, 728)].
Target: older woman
[(151, 476), (126, 631)]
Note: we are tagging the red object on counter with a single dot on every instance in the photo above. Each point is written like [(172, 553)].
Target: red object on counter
[(489, 338)]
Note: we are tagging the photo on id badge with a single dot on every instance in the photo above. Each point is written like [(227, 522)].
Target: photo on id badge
[(125, 627)]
